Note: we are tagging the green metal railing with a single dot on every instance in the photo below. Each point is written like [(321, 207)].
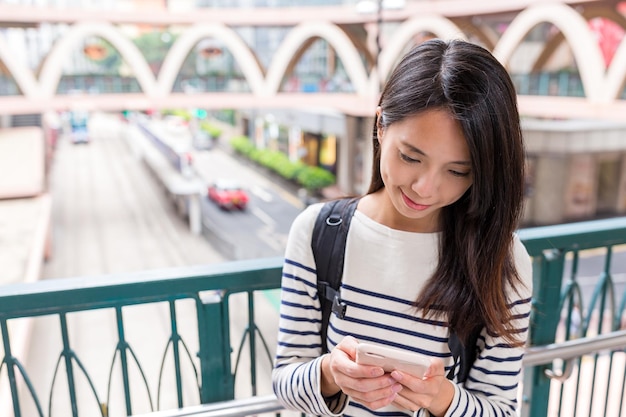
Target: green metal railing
[(559, 313), (209, 288)]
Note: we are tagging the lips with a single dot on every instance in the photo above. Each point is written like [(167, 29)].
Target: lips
[(413, 205)]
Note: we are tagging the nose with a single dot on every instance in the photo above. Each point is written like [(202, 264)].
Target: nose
[(426, 184)]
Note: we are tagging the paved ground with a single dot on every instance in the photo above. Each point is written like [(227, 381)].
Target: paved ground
[(110, 216)]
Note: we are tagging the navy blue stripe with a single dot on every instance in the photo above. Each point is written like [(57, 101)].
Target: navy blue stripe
[(305, 319), (299, 265), (298, 305), (301, 346), (520, 302), (396, 314), (501, 360), (501, 373), (294, 291), (298, 332), (377, 295), (395, 329), (297, 278), (363, 337), (501, 387)]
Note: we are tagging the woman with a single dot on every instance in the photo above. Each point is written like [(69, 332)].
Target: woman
[(431, 247)]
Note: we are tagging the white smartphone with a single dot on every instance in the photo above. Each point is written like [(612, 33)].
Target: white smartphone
[(390, 358)]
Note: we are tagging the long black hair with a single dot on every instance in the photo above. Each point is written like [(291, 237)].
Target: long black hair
[(475, 254)]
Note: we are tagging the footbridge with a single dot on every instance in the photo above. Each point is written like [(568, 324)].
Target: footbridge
[(589, 86)]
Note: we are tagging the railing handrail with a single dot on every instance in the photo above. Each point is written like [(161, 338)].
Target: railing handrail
[(576, 348), (85, 293), (574, 236), (537, 355), (231, 408)]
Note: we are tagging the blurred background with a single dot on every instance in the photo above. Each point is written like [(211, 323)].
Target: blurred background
[(237, 114), (148, 134)]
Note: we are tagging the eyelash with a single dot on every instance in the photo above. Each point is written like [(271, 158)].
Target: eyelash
[(459, 174), (407, 158)]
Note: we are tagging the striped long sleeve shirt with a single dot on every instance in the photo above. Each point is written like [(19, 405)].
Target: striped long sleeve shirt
[(384, 270)]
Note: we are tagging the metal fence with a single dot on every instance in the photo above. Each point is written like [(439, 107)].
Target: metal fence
[(179, 340)]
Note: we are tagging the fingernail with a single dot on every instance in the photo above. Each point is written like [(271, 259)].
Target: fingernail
[(396, 388), (396, 375), (377, 372)]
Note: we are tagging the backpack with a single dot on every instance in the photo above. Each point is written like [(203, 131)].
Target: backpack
[(328, 243)]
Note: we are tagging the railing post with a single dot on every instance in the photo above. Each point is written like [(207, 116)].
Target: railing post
[(547, 281), (10, 362), (217, 380)]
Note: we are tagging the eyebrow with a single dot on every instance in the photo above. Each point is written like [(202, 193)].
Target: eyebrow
[(419, 151)]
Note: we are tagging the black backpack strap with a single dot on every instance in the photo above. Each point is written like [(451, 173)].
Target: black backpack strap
[(464, 355), (329, 243)]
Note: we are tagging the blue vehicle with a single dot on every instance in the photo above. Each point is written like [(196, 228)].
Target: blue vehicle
[(78, 123)]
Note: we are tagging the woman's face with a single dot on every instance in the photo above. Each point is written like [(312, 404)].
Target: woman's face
[(425, 165)]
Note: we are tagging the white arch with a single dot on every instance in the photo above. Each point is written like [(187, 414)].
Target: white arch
[(242, 54), (440, 26), (53, 65), (574, 28), (616, 74), (23, 76), (335, 37), (486, 35)]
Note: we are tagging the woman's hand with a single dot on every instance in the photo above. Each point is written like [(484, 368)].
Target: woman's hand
[(433, 392), (366, 384)]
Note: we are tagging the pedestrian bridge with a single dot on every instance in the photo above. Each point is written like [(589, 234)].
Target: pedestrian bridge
[(592, 90)]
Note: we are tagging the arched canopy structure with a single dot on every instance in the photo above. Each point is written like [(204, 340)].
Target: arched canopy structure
[(61, 51), (576, 31), (22, 75), (602, 86), (335, 37), (616, 74), (588, 13), (242, 54), (438, 25)]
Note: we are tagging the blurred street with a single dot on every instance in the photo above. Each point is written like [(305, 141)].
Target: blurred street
[(110, 216)]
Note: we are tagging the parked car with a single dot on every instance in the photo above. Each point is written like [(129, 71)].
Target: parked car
[(228, 195)]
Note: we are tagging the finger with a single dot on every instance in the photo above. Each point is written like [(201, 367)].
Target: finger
[(403, 402), (436, 368), (419, 391), (348, 346), (374, 398)]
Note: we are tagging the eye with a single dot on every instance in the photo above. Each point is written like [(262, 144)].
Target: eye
[(407, 158), (459, 174)]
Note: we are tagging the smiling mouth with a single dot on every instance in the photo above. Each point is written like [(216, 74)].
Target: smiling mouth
[(413, 205)]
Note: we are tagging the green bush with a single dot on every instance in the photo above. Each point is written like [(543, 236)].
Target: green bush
[(242, 145), (211, 129), (311, 178), (183, 114), (315, 178), (289, 169)]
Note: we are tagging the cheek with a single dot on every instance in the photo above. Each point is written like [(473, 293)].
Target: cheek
[(391, 169), (458, 192)]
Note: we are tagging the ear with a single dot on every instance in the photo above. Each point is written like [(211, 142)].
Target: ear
[(379, 124)]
